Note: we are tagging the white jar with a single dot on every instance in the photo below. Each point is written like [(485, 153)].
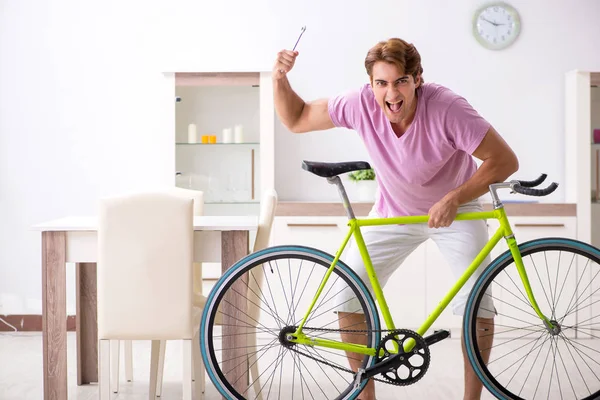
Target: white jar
[(227, 135), (192, 134), (239, 134)]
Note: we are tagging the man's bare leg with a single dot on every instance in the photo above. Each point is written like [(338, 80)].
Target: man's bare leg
[(356, 321), (485, 337)]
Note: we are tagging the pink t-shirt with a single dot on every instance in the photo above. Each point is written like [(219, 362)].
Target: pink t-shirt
[(429, 160)]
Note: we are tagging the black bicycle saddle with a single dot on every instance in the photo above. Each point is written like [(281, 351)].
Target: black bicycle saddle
[(328, 170)]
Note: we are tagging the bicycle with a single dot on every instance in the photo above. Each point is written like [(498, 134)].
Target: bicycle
[(302, 334)]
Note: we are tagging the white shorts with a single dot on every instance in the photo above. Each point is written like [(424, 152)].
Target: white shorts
[(389, 245)]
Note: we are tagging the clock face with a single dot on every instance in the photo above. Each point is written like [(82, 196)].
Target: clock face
[(496, 26)]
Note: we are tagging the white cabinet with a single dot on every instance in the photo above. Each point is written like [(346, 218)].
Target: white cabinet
[(223, 137), (323, 233), (529, 228), (593, 272), (581, 153)]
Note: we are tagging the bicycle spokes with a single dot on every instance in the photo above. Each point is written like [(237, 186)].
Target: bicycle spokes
[(278, 292), (527, 358)]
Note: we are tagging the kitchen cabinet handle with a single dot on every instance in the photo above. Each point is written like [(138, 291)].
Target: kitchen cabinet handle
[(311, 225), (540, 225)]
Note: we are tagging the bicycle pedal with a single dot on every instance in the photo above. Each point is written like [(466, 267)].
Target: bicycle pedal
[(436, 336)]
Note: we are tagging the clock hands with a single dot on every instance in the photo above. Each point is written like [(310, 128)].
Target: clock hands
[(493, 23), (487, 20)]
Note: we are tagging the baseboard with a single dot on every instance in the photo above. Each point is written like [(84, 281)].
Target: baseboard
[(28, 323)]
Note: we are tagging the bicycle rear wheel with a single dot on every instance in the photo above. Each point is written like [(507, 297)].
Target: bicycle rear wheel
[(260, 300), (527, 360)]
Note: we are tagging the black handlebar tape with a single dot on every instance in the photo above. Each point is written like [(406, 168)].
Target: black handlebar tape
[(529, 184), (536, 192)]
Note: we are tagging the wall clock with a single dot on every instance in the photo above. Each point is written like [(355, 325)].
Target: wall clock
[(496, 25)]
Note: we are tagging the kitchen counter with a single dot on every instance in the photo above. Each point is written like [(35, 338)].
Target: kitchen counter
[(332, 209)]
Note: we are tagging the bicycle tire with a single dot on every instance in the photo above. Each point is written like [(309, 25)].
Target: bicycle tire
[(501, 263), (260, 258)]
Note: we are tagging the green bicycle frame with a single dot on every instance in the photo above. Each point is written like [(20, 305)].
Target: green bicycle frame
[(504, 230)]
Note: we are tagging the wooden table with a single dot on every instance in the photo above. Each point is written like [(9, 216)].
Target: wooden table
[(223, 239)]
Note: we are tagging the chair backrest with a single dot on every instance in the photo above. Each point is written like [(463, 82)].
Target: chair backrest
[(265, 223), (196, 195), (145, 255), (268, 205)]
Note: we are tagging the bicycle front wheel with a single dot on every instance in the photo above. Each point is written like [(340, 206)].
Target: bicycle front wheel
[(518, 357), (261, 300)]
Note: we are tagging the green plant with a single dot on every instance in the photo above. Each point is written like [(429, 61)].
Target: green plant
[(362, 175)]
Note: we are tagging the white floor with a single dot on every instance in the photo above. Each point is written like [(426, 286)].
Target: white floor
[(21, 373)]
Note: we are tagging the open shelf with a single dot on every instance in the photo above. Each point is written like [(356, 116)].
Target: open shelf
[(218, 144)]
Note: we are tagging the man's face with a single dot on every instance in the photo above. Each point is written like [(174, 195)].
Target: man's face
[(394, 91)]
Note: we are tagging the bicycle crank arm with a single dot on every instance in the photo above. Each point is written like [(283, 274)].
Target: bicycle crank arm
[(386, 365), (436, 337)]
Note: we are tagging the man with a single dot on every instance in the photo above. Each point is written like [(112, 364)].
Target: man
[(421, 139)]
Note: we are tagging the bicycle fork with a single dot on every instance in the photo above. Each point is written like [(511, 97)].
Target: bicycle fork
[(516, 254), (511, 242)]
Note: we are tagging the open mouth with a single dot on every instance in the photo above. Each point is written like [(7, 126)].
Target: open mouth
[(395, 106)]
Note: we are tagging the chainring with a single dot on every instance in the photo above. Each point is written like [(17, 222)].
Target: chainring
[(411, 365)]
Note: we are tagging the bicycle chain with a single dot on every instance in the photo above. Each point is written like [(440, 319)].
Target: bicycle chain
[(340, 367)]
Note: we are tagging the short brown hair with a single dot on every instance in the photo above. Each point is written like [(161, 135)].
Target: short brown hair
[(395, 51)]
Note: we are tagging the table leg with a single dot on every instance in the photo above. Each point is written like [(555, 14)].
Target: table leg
[(54, 315), (234, 246), (86, 323)]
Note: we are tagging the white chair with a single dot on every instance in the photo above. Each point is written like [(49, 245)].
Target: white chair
[(263, 235), (266, 216), (198, 209), (145, 256)]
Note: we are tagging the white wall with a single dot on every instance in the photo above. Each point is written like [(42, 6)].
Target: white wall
[(81, 92)]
